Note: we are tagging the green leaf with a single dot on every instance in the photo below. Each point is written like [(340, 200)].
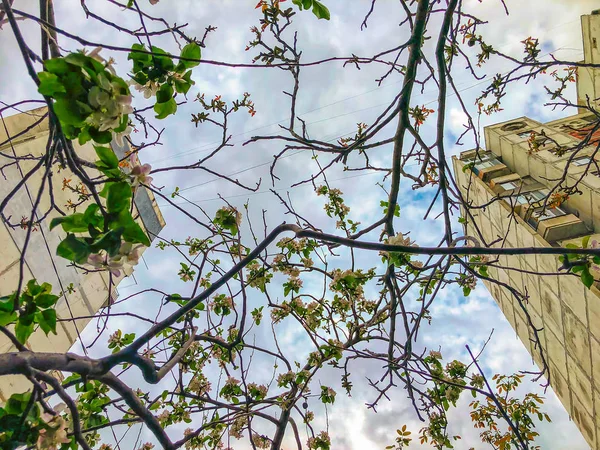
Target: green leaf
[(320, 10), (45, 300), (75, 223), (191, 51), (91, 216), (17, 403), (483, 271), (587, 278), (165, 109), (182, 86), (47, 320), (23, 331), (119, 197), (164, 94), (585, 241), (111, 242), (33, 288), (68, 112), (136, 56), (107, 156), (7, 303), (50, 84), (84, 136), (6, 318), (162, 59), (132, 232), (101, 137), (56, 66), (73, 249)]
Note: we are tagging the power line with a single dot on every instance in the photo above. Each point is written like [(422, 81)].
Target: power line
[(194, 149), (453, 93), (261, 192)]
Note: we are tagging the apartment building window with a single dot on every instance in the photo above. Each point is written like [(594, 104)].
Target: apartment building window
[(531, 197), (582, 161), (510, 185), (487, 163), (542, 213), (478, 159), (548, 213), (525, 134)]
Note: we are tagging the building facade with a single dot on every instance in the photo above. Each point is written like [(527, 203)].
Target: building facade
[(83, 293), (511, 189)]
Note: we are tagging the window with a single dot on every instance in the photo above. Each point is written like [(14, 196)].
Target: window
[(548, 213), (510, 185), (541, 214), (487, 163), (582, 161), (478, 159), (525, 134), (531, 197)]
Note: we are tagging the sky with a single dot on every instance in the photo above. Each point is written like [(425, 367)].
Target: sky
[(332, 100)]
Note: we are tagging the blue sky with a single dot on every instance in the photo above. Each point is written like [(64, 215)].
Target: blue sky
[(333, 100)]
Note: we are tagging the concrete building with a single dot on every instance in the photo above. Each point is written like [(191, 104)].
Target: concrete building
[(506, 185), (84, 293)]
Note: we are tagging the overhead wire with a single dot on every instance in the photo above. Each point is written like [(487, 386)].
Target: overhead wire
[(340, 136), (194, 149)]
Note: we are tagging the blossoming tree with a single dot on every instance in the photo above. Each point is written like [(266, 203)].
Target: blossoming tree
[(242, 284)]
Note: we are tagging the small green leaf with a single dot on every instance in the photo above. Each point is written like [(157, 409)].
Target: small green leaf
[(7, 303), (165, 109), (75, 223), (164, 94), (92, 217), (50, 84), (56, 66), (162, 59), (320, 10), (47, 320), (33, 288), (6, 318), (23, 331), (107, 156), (73, 249), (587, 278), (119, 197), (68, 112), (111, 242), (101, 137), (45, 300), (191, 51), (132, 232), (585, 241), (182, 86)]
